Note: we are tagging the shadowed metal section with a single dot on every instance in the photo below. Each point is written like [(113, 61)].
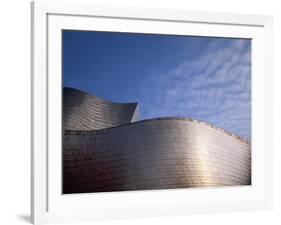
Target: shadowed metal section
[(82, 111), (160, 153)]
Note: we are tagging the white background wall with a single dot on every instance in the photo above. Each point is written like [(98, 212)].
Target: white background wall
[(15, 109)]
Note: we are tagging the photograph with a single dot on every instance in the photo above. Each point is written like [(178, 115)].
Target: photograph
[(144, 111)]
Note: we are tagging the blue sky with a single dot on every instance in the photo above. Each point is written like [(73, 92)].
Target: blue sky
[(203, 78)]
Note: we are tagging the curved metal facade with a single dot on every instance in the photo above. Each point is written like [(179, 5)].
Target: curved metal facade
[(160, 153), (82, 111)]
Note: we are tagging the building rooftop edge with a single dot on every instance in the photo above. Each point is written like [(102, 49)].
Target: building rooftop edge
[(100, 131), (100, 98)]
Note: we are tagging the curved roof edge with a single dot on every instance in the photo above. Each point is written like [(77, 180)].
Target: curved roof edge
[(99, 98), (101, 131), (83, 111)]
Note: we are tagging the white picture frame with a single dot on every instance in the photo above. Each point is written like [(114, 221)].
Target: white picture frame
[(48, 205)]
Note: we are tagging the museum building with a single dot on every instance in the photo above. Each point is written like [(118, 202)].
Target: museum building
[(107, 148)]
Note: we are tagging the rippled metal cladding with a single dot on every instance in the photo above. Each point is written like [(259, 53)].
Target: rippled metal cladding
[(106, 148)]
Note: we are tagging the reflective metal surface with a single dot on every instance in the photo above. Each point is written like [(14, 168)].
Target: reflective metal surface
[(160, 153), (82, 111)]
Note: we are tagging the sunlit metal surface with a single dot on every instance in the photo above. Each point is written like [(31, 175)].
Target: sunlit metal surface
[(82, 111), (161, 153)]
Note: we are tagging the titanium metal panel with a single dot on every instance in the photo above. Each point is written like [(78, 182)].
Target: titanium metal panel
[(82, 111), (161, 153)]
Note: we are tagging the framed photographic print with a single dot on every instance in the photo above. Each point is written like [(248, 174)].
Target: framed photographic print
[(148, 112)]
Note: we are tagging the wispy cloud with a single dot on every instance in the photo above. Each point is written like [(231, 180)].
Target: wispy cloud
[(215, 87)]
